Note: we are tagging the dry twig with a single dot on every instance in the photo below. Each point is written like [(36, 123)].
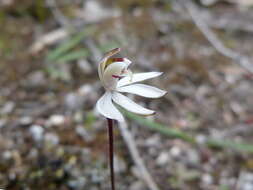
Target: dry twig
[(48, 39), (146, 177), (242, 60)]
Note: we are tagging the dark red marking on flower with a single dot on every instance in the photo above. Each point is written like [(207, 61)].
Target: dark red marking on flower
[(116, 76), (249, 120), (248, 76), (117, 59)]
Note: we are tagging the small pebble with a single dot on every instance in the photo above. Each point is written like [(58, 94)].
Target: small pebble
[(201, 139), (73, 101), (119, 165), (175, 151), (207, 179), (26, 120), (163, 158), (80, 130), (7, 155), (85, 89), (36, 132), (85, 66), (56, 120), (52, 138), (78, 183), (96, 176), (36, 79), (33, 153), (153, 140), (245, 181), (2, 123), (192, 156), (88, 93), (6, 2), (8, 107)]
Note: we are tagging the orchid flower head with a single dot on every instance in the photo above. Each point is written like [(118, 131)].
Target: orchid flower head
[(117, 78)]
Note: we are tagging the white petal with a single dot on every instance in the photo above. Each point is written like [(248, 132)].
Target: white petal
[(106, 108), (102, 64), (143, 90), (100, 72), (137, 78), (129, 105)]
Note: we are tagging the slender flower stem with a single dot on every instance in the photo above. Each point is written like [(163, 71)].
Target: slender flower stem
[(111, 151)]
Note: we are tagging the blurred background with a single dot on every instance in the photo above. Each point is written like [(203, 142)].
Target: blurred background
[(51, 137)]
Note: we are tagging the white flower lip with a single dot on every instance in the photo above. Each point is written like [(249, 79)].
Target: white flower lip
[(116, 78)]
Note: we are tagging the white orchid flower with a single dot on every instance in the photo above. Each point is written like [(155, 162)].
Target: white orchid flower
[(116, 78)]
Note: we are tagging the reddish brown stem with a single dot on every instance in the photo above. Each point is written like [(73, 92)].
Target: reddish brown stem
[(111, 151)]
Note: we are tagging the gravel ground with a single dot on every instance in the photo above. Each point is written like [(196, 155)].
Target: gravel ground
[(51, 137)]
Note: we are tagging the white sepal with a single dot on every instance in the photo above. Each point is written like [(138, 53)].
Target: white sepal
[(105, 107), (143, 90), (129, 105)]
